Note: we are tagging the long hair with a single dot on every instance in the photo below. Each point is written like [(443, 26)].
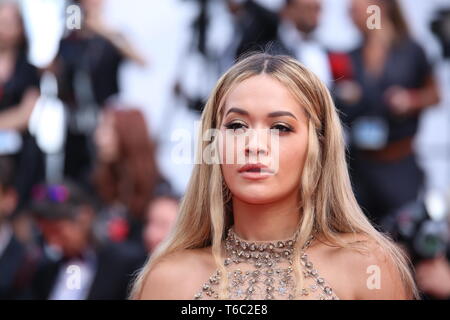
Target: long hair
[(395, 14), (328, 206), (132, 178)]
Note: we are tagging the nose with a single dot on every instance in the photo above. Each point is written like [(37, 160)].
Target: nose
[(257, 143)]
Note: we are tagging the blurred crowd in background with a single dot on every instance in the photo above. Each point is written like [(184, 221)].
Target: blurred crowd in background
[(97, 96)]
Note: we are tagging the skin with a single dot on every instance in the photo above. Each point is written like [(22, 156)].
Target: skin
[(11, 30), (106, 139), (305, 14), (274, 198), (161, 217), (70, 235), (92, 7), (359, 15), (8, 202), (433, 277), (94, 22), (266, 209), (377, 43)]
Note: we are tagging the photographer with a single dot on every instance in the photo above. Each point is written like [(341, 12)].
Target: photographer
[(87, 68), (433, 275), (382, 88)]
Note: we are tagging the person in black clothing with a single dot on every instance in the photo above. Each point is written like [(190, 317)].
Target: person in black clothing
[(65, 214), (296, 37), (381, 88), (97, 50), (87, 70), (258, 25), (19, 83), (16, 260)]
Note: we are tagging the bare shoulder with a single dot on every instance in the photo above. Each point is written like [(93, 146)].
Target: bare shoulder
[(368, 273), (178, 276)]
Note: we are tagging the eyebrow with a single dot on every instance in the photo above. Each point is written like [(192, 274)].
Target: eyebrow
[(270, 115)]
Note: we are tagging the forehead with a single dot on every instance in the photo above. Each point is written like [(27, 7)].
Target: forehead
[(262, 94), (165, 203), (362, 4)]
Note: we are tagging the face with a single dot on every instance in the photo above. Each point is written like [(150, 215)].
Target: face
[(275, 128), (305, 14), (11, 29), (71, 236), (92, 6), (358, 12), (8, 202), (106, 139), (161, 217)]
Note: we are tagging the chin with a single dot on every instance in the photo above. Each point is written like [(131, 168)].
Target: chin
[(254, 196)]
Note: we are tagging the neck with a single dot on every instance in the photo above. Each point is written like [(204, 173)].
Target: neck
[(378, 38), (266, 222)]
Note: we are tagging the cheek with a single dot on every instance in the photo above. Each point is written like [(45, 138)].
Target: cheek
[(228, 148), (72, 234), (67, 234), (358, 15), (288, 161), (229, 173), (292, 158), (16, 33), (155, 233)]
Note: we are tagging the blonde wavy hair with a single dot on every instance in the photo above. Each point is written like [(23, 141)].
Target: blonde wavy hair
[(328, 205)]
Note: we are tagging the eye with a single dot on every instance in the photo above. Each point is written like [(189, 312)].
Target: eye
[(282, 128), (237, 127)]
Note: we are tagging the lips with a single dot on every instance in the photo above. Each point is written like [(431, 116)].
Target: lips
[(255, 168)]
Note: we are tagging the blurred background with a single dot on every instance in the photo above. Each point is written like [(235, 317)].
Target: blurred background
[(98, 107)]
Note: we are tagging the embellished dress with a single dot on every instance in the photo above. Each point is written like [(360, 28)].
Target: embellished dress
[(263, 270)]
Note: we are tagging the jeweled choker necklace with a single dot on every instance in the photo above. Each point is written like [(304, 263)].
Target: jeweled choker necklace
[(262, 254), (264, 270), (267, 280)]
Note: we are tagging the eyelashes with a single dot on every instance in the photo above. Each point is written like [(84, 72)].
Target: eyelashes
[(282, 128), (240, 127), (235, 126)]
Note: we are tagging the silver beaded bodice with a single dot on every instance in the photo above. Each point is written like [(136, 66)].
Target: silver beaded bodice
[(264, 271)]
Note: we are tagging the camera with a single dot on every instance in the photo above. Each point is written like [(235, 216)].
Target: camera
[(440, 27), (421, 226)]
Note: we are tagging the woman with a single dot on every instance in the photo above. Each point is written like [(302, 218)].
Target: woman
[(251, 225), (19, 91), (87, 68), (18, 79), (126, 172), (383, 87)]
